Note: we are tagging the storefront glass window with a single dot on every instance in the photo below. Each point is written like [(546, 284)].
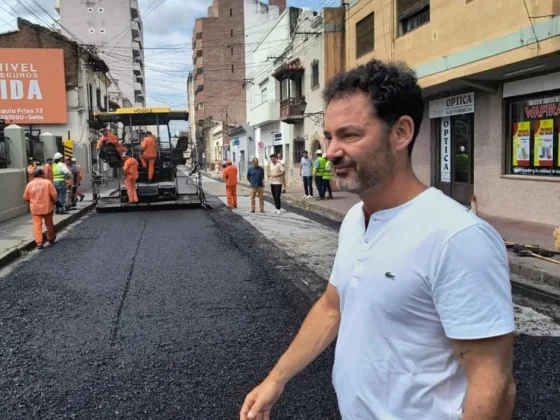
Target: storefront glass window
[(533, 139)]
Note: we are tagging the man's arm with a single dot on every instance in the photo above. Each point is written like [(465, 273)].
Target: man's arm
[(318, 330), (488, 365), (53, 193), (27, 193), (471, 290)]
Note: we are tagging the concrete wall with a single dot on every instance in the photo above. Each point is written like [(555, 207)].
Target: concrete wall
[(462, 38), (12, 185)]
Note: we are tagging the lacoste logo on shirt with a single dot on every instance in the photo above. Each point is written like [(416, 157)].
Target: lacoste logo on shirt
[(390, 275)]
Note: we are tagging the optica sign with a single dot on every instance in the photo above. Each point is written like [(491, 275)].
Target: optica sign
[(32, 86)]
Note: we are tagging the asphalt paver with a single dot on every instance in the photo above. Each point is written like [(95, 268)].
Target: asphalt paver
[(177, 315)]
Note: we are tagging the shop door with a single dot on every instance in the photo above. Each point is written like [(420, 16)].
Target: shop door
[(456, 151)]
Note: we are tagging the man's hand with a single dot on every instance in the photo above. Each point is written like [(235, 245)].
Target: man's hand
[(260, 400)]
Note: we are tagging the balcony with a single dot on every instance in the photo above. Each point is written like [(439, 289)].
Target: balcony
[(135, 27), (136, 49), (137, 69), (264, 113), (291, 110), (57, 6), (134, 12), (138, 89)]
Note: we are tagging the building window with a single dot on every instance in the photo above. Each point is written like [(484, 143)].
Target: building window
[(199, 89), (231, 33), (231, 12), (101, 10), (264, 95), (412, 14), (232, 68), (231, 49), (200, 105), (200, 70), (90, 9), (365, 35), (91, 31), (102, 31), (199, 35), (299, 148), (533, 146), (314, 74)]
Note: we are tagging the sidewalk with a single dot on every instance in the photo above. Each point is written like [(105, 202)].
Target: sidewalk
[(537, 271), (16, 235)]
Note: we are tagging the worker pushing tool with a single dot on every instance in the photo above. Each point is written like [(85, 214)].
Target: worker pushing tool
[(230, 175), (41, 195), (130, 170), (149, 154)]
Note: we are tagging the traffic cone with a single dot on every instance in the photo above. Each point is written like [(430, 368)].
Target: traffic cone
[(474, 207)]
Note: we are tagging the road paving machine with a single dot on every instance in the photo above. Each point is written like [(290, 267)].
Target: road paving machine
[(176, 182)]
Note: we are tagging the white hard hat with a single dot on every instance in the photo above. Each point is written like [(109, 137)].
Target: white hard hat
[(319, 152), (73, 159), (57, 156)]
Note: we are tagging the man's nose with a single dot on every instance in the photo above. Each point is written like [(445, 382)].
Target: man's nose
[(334, 149)]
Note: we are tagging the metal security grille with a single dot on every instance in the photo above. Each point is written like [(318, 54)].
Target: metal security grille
[(4, 152)]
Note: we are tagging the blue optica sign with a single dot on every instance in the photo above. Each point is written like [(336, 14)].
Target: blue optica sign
[(236, 141)]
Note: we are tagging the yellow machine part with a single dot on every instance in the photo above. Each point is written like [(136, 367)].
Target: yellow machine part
[(69, 148)]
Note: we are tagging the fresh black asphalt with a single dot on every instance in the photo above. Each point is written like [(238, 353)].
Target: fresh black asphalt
[(177, 315)]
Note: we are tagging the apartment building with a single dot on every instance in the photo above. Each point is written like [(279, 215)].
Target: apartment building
[(490, 72), (219, 66), (116, 29)]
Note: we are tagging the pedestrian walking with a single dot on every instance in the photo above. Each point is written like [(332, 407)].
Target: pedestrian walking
[(130, 171), (60, 174), (48, 170), (281, 160), (319, 171), (276, 173), (419, 296), (230, 176), (41, 195), (306, 174), (327, 178), (255, 177)]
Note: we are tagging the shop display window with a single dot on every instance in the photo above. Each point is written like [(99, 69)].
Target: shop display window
[(534, 124)]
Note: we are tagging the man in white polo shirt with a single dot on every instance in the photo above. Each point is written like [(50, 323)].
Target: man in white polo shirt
[(419, 295)]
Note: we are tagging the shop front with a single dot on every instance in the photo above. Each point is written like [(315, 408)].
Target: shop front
[(453, 119)]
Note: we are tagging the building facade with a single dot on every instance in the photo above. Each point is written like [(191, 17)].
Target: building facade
[(115, 28), (295, 58), (490, 73)]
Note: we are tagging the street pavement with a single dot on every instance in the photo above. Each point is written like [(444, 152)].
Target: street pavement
[(178, 314)]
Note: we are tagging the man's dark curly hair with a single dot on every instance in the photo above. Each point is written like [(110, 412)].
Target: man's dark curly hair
[(392, 88)]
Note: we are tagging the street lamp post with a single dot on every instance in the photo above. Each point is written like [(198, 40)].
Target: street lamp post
[(316, 117)]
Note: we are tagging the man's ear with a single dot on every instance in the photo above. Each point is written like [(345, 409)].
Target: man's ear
[(403, 132)]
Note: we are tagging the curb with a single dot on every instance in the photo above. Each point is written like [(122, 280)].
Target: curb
[(538, 277), (13, 255)]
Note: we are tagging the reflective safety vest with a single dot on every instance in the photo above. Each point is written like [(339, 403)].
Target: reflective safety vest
[(328, 173), (319, 166), (58, 175)]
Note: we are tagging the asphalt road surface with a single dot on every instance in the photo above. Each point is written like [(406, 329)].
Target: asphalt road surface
[(177, 315)]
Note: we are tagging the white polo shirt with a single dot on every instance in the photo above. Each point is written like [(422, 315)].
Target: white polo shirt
[(422, 274)]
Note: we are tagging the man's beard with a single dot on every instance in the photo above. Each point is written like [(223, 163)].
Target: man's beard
[(369, 171)]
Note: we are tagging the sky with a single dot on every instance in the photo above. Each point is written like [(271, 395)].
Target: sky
[(168, 26)]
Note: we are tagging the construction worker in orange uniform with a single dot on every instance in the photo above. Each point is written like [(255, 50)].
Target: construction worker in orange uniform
[(48, 170), (80, 177), (130, 170), (41, 196), (149, 154), (108, 137), (31, 169), (230, 175)]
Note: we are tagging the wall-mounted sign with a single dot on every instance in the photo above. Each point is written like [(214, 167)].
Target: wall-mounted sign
[(453, 105), (445, 163), (260, 145)]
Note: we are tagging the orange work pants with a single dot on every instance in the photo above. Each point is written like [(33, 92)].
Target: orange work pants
[(151, 162), (231, 194), (38, 227), (130, 185)]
